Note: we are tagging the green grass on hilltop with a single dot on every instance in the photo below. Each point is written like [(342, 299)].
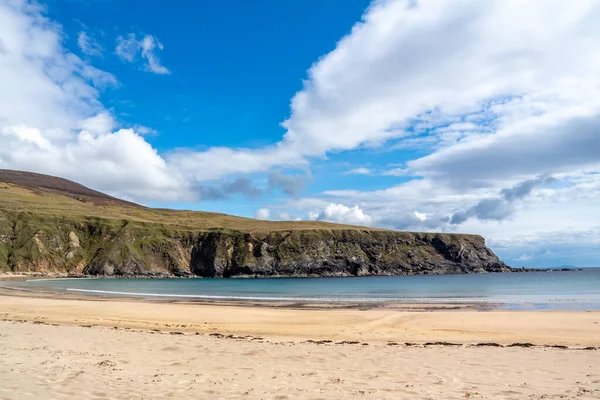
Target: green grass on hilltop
[(41, 202)]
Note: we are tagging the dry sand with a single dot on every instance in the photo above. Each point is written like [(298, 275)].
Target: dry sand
[(66, 348)]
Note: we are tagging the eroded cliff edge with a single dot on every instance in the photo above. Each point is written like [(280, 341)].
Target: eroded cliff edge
[(103, 246), (51, 225)]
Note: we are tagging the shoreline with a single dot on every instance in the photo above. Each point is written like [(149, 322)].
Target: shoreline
[(65, 275), (33, 286), (61, 345), (398, 323), (46, 293)]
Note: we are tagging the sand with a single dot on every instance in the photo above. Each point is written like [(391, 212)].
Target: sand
[(78, 348), (372, 325)]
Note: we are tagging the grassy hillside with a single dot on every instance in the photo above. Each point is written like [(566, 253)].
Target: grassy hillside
[(64, 198)]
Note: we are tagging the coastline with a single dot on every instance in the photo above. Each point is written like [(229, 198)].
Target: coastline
[(162, 275), (46, 293), (61, 345), (376, 323), (565, 290)]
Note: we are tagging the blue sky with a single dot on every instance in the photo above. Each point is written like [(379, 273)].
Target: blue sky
[(226, 58), (244, 59), (457, 116)]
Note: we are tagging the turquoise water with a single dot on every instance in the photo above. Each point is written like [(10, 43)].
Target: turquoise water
[(570, 290)]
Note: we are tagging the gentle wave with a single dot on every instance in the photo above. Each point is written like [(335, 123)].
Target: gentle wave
[(216, 297), (56, 279), (496, 299)]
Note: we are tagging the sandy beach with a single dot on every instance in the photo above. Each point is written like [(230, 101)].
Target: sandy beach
[(52, 347)]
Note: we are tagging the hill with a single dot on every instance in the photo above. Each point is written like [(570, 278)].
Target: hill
[(53, 225), (51, 196)]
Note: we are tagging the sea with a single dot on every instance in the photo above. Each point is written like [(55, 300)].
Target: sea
[(577, 290)]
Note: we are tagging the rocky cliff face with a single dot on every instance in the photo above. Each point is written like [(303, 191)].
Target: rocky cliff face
[(96, 246)]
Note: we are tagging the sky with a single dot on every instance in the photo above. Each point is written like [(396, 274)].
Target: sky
[(461, 116)]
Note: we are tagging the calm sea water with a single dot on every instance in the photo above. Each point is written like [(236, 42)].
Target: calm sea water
[(570, 290)]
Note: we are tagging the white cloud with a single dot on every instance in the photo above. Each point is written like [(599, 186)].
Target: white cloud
[(262, 213), (51, 120), (149, 44), (497, 92), (222, 161), (99, 123), (42, 85), (89, 45), (359, 171), (144, 130), (471, 78), (421, 216), (344, 215), (128, 48), (312, 216)]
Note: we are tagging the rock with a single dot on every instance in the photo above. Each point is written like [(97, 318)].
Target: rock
[(107, 364), (148, 250), (340, 253)]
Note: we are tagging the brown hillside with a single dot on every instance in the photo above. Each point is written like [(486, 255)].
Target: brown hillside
[(57, 185)]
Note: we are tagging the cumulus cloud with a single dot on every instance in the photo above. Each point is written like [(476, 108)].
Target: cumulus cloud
[(494, 93), (344, 215), (405, 59), (543, 147), (129, 48), (42, 85), (51, 120), (88, 45), (459, 75), (466, 79), (218, 162), (262, 213), (98, 124)]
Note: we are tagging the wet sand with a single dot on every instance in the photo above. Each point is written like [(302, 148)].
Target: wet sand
[(574, 329)]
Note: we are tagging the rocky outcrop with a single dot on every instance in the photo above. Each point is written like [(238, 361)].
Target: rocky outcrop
[(96, 246)]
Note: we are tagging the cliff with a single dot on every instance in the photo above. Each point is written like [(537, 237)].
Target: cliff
[(50, 225)]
